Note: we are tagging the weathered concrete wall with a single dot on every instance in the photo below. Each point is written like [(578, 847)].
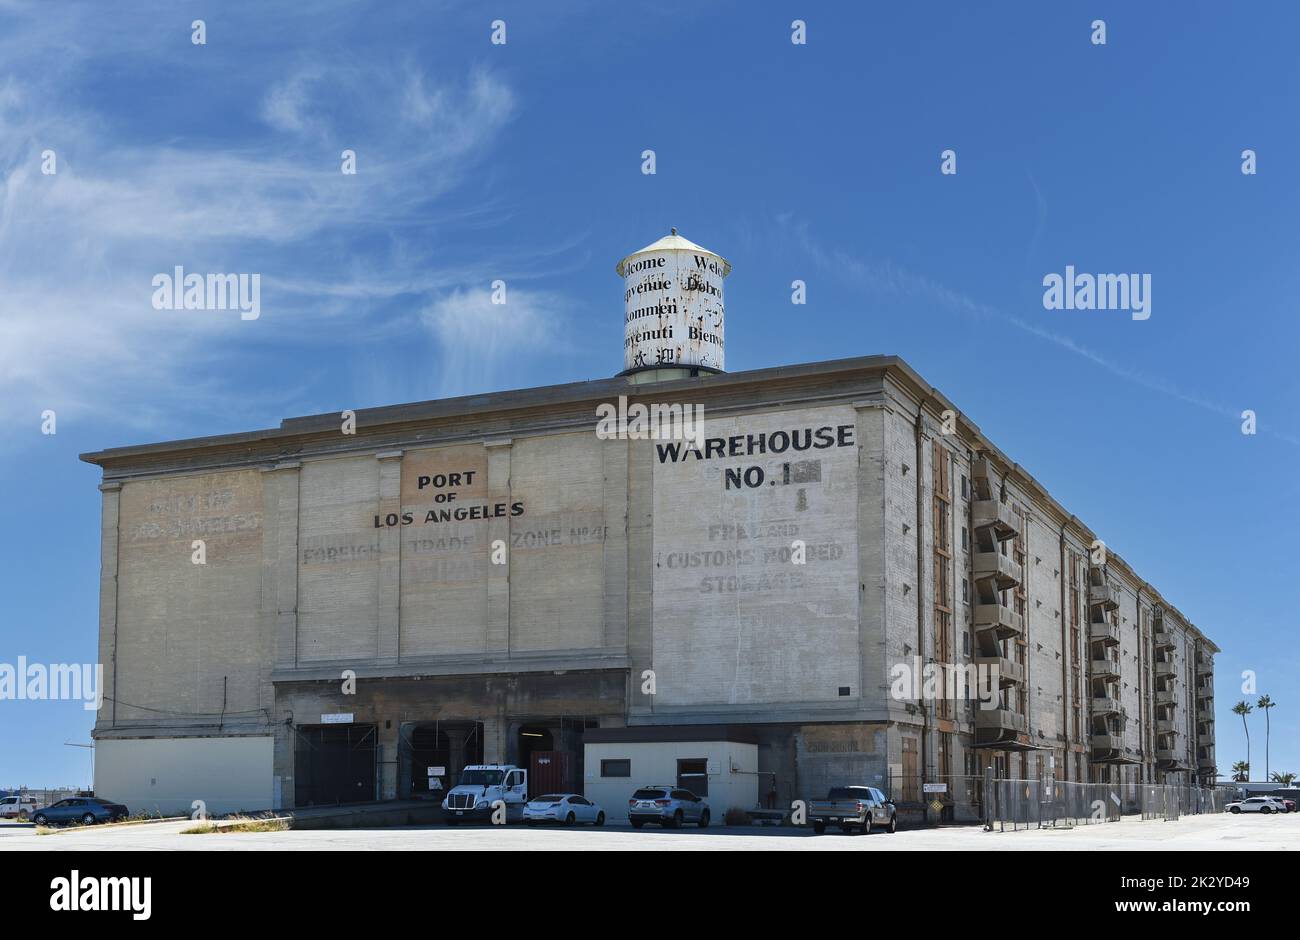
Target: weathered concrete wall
[(189, 643), (428, 577), (444, 565), (836, 755), (165, 776), (339, 552), (557, 546), (1076, 614), (1184, 689), (1045, 649), (873, 556), (903, 583), (735, 620)]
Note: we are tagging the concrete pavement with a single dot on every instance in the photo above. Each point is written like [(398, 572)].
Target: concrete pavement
[(1221, 832)]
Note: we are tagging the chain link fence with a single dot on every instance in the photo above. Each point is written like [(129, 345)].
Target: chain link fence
[(1039, 804), (1169, 803), (1044, 804), (1004, 804)]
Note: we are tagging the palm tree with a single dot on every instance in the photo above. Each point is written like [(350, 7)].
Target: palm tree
[(1240, 771), (1265, 703), (1243, 709), (1285, 779)]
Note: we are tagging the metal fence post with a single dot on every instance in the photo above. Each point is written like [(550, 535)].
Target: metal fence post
[(989, 797)]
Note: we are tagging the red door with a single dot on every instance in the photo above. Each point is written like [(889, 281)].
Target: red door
[(550, 772)]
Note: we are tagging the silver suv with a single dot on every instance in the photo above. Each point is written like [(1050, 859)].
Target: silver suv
[(667, 806)]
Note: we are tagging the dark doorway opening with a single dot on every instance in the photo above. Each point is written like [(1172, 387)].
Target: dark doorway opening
[(533, 738), (693, 775), (445, 747), (334, 764)]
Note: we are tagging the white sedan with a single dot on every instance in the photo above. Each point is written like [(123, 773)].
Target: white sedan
[(1256, 804), (564, 808)]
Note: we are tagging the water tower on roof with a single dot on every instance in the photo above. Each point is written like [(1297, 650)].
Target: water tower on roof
[(673, 312)]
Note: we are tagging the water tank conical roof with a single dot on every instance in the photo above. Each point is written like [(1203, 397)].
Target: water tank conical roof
[(674, 242)]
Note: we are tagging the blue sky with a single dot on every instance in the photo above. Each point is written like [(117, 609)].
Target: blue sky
[(522, 162)]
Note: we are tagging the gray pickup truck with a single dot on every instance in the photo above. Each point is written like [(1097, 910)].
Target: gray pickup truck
[(853, 809)]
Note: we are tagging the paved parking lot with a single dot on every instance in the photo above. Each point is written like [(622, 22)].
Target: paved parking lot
[(1221, 832)]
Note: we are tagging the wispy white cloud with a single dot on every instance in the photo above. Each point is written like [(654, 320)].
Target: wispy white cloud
[(286, 105), (888, 278), (78, 248), (478, 338)]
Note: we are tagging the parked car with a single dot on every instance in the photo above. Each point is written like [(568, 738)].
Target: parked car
[(86, 810), (1255, 804), (1289, 804), (1280, 804), (670, 807), (853, 808), (17, 806), (564, 808), (1289, 795)]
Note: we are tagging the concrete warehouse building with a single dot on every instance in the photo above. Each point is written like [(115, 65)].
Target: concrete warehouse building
[(494, 579)]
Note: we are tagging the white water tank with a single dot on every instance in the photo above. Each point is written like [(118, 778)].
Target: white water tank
[(673, 309)]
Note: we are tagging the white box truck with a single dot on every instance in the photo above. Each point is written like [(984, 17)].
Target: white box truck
[(481, 786)]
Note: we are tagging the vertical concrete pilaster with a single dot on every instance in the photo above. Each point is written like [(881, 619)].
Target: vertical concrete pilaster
[(108, 585), (282, 762), (873, 671), (280, 557), (280, 489), (925, 587), (615, 556), (388, 619), (387, 756), (499, 455), (640, 572), (494, 739)]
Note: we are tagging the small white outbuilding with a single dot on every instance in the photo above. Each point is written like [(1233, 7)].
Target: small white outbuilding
[(717, 762)]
